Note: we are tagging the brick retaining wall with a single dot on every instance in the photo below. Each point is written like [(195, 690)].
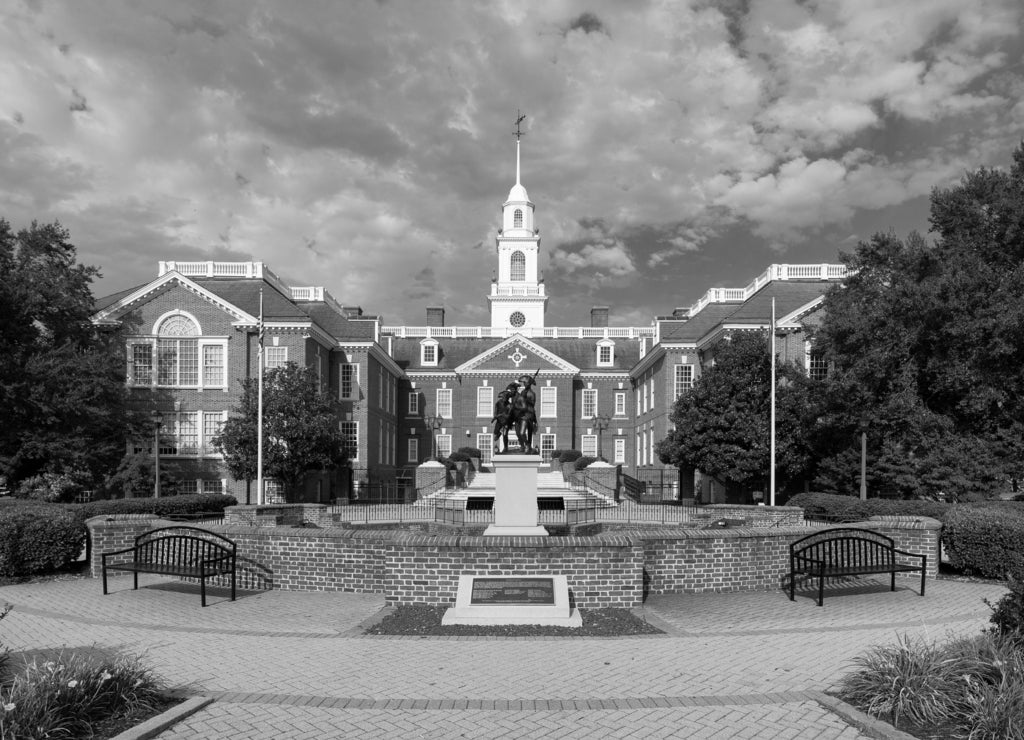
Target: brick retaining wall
[(608, 569)]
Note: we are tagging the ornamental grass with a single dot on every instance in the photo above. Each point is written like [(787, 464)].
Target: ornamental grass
[(69, 695), (971, 687)]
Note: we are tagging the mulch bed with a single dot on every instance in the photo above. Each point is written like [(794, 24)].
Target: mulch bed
[(117, 724), (425, 621)]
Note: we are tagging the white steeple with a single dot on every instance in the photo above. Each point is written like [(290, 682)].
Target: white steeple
[(517, 296)]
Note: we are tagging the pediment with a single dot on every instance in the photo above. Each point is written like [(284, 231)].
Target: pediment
[(517, 354), (161, 285)]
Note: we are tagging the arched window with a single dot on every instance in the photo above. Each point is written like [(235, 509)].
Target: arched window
[(177, 358), (518, 266), (517, 218)]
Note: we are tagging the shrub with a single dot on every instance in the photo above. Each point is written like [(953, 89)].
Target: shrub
[(569, 456), (583, 462), (68, 696), (51, 487), (38, 540), (556, 456), (984, 540), (471, 451), (166, 506), (3, 651), (459, 457), (852, 509), (1008, 613)]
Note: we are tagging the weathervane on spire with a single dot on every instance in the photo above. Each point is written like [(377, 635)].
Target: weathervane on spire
[(521, 117)]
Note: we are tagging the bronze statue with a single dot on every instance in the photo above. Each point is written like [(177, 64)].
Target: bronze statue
[(501, 419), (524, 415)]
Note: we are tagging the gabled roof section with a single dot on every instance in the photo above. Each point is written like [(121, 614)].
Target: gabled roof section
[(691, 330), (517, 353), (115, 309)]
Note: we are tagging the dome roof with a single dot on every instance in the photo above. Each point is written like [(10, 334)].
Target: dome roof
[(518, 193)]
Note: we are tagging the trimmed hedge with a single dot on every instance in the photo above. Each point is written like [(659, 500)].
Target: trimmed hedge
[(471, 451), (38, 539), (583, 462), (170, 505), (569, 456), (985, 540), (459, 457), (851, 508)]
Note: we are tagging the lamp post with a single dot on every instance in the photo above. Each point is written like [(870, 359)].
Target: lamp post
[(601, 422), (433, 424), (158, 421)]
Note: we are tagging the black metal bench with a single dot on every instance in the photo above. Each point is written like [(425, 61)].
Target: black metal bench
[(848, 551), (186, 552)]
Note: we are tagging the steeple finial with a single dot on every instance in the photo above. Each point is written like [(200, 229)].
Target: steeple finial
[(520, 117)]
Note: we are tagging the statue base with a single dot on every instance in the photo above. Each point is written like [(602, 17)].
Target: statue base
[(515, 497)]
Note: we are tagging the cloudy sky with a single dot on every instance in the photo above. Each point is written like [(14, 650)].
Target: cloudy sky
[(367, 146)]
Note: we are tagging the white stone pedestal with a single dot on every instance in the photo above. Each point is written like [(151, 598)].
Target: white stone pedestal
[(515, 496), (531, 599)]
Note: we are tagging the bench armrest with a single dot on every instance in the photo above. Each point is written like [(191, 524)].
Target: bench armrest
[(118, 552), (910, 554)]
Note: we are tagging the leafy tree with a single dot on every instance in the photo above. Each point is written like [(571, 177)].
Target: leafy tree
[(300, 428), (722, 423), (61, 381), (926, 342)]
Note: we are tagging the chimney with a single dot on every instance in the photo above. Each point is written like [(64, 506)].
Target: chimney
[(435, 316), (680, 313), (599, 316), (352, 312)]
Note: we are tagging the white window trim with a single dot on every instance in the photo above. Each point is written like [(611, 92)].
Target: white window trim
[(588, 441), (675, 379), (438, 406), (447, 439), (484, 409), (266, 353), (583, 403), (619, 454), (355, 381), (620, 403), (151, 342), (552, 391), (423, 352), (412, 450), (414, 403), (354, 451), (609, 344), (542, 438)]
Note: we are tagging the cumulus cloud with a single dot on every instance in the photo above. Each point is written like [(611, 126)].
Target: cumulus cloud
[(382, 133)]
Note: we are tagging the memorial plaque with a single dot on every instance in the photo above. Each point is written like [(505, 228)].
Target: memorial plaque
[(513, 591)]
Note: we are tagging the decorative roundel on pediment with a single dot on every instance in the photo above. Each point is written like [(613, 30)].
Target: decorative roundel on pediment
[(517, 319)]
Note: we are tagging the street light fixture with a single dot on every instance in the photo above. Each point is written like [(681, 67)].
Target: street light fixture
[(158, 421), (601, 422)]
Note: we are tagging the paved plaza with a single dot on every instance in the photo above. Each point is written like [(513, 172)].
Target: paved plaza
[(285, 664)]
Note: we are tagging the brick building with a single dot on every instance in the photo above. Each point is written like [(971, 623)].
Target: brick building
[(404, 390)]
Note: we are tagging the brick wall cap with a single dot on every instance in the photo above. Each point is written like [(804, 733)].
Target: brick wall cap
[(905, 521)]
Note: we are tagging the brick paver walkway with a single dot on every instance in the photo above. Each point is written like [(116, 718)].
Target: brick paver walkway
[(295, 665)]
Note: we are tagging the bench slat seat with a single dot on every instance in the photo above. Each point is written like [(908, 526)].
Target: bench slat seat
[(849, 551), (186, 552)]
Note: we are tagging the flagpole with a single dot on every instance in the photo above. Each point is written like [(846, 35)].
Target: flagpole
[(771, 474), (259, 409)]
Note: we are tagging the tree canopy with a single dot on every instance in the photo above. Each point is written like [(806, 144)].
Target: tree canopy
[(721, 426), (61, 381), (926, 345), (300, 428)]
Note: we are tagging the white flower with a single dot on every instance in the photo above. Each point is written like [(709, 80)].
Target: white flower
[(72, 683), (105, 676), (9, 707)]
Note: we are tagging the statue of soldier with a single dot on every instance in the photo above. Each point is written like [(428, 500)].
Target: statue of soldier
[(524, 414), (502, 417)]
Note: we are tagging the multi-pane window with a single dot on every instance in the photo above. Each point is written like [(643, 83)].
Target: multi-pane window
[(817, 366), (213, 365), (518, 266), (620, 450), (213, 423), (485, 401), (351, 431), (412, 451), (177, 362), (428, 353), (349, 388), (605, 353), (517, 219), (683, 379), (548, 402), (414, 403), (444, 445), (589, 406), (588, 445), (187, 487), (620, 403), (275, 357), (547, 446), (485, 442), (213, 486), (140, 359), (188, 434), (444, 403)]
